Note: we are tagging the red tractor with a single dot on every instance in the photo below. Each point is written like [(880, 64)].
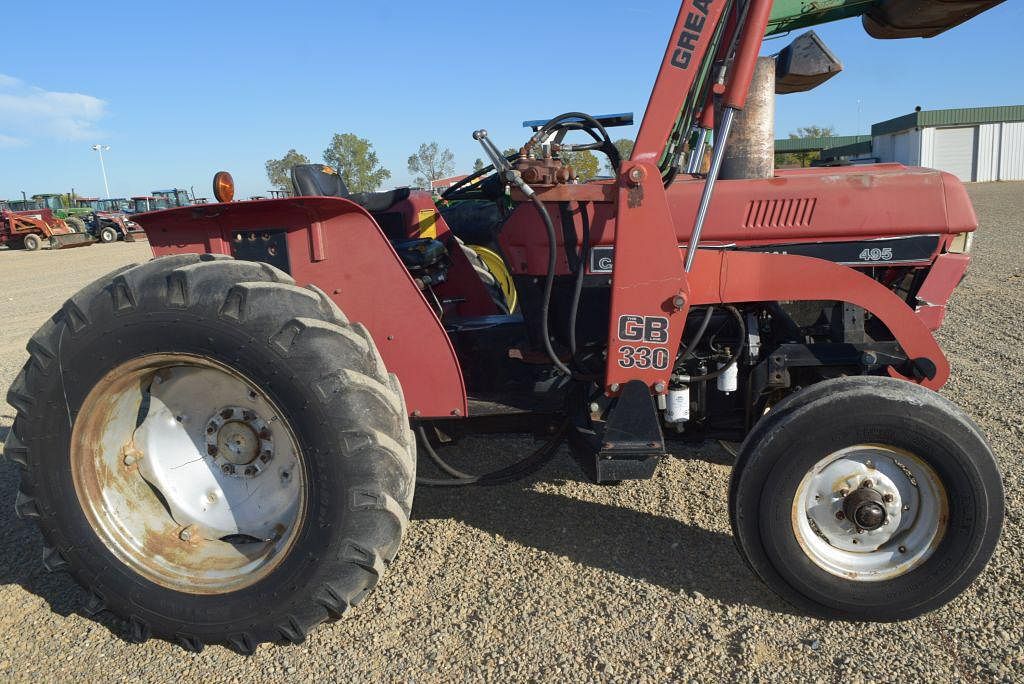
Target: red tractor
[(220, 444), (36, 226)]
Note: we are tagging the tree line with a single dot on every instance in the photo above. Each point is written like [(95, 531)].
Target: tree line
[(357, 163)]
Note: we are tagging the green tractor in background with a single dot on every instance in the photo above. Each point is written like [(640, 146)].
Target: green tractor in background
[(64, 208)]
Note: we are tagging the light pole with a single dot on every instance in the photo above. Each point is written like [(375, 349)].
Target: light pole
[(103, 168)]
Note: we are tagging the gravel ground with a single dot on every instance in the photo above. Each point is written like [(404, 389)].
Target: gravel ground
[(554, 578)]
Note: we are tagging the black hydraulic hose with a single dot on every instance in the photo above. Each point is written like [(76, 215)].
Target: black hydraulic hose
[(523, 468), (584, 260), (549, 284), (438, 461), (699, 335), (736, 355)]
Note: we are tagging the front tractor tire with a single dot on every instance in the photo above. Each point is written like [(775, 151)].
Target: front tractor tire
[(33, 242), (866, 498), (216, 454), (108, 234)]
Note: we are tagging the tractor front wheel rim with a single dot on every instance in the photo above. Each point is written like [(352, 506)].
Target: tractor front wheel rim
[(188, 473), (870, 513)]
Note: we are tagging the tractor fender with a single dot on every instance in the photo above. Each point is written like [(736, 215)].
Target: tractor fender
[(724, 277), (335, 245)]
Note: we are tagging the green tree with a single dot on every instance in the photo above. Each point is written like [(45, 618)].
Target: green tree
[(478, 165), (804, 159), (356, 162), (279, 170), (585, 164), (430, 163), (625, 148)]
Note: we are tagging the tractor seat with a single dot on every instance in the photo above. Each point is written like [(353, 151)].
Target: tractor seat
[(317, 180)]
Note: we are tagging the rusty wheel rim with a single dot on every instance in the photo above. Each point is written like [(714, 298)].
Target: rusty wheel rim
[(870, 513), (188, 473)]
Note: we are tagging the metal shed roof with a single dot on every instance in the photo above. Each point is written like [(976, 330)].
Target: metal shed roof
[(816, 144), (950, 117)]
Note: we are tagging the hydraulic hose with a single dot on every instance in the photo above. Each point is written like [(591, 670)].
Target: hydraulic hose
[(699, 335), (549, 284), (523, 468), (736, 355), (577, 292)]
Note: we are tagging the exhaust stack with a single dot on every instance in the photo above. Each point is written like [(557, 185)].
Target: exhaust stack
[(750, 152)]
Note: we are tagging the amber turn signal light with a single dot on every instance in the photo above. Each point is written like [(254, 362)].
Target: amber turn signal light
[(223, 186)]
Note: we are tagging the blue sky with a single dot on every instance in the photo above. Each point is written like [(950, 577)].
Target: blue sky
[(182, 90)]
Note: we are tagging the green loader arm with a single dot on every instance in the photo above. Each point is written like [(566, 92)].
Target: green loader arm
[(883, 18)]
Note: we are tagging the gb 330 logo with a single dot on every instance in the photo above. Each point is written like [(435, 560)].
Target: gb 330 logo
[(651, 330)]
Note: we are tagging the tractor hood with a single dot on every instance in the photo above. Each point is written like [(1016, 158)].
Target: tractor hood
[(881, 18)]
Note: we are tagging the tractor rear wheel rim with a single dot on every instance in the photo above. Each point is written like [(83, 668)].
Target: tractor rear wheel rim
[(870, 513), (188, 473)]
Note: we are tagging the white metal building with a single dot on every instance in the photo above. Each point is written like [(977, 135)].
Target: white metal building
[(979, 144)]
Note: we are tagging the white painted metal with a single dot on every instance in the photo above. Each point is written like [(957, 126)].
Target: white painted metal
[(927, 146), (989, 136), (1011, 157), (916, 509), (955, 151), (175, 439)]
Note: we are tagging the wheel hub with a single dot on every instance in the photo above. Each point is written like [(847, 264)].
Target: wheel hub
[(239, 442), (869, 512), (865, 507)]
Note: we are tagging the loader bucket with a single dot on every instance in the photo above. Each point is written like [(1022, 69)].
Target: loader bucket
[(69, 240)]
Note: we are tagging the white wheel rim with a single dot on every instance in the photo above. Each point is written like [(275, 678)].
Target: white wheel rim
[(908, 490), (188, 473)]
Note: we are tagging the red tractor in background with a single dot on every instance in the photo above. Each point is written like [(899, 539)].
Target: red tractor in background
[(34, 228), (220, 444)]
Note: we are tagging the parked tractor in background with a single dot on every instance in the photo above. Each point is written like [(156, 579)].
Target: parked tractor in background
[(36, 227), (174, 197), (109, 221), (220, 444), (75, 216)]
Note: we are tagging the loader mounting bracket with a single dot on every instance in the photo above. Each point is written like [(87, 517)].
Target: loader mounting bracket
[(633, 441)]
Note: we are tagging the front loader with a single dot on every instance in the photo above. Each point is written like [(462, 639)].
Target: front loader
[(34, 228), (220, 444)]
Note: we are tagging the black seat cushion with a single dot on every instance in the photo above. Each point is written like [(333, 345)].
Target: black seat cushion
[(317, 180), (380, 201)]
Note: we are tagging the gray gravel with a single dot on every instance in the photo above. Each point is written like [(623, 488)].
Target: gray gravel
[(555, 578)]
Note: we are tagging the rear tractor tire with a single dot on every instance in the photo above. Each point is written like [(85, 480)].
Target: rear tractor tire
[(216, 454), (108, 234), (33, 243), (866, 498), (76, 224)]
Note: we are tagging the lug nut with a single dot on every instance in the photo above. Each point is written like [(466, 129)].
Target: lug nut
[(887, 498), (840, 515), (250, 471), (844, 492), (868, 484), (227, 469)]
